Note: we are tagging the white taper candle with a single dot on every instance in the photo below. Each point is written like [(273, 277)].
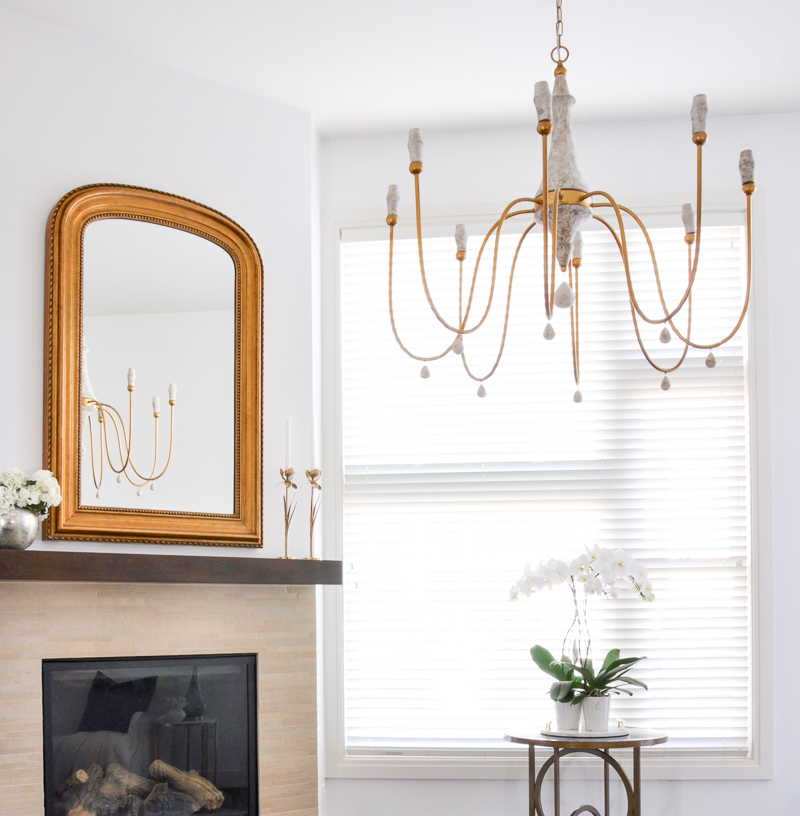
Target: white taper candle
[(173, 392), (156, 405), (313, 445), (288, 452), (415, 145), (131, 376)]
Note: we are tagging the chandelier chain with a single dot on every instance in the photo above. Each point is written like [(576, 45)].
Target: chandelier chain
[(560, 53)]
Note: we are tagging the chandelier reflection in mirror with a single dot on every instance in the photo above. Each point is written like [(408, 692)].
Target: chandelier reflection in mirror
[(121, 463), (562, 205)]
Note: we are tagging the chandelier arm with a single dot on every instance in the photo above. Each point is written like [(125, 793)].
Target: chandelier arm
[(623, 248), (556, 196), (496, 227), (110, 411), (91, 449), (692, 269), (633, 312), (391, 310), (647, 357), (548, 303), (128, 460), (508, 309), (706, 347), (171, 433), (574, 327), (460, 292)]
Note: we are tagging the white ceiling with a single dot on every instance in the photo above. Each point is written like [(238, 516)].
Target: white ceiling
[(364, 66)]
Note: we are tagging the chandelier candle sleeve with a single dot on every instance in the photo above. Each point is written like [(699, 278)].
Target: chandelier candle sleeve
[(156, 406), (461, 238), (173, 393), (577, 249), (687, 214), (393, 200), (699, 113), (131, 378), (543, 101), (415, 145), (746, 166)]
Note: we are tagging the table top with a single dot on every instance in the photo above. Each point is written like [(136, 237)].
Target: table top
[(637, 738)]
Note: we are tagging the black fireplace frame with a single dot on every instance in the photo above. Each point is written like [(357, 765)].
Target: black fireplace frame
[(247, 659)]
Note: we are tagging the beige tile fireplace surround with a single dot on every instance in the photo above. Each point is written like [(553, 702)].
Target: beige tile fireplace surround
[(60, 620)]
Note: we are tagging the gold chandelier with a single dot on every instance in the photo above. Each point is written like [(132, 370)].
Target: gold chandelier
[(562, 205), (105, 414)]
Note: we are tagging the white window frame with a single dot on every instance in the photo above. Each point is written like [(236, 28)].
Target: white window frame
[(512, 763)]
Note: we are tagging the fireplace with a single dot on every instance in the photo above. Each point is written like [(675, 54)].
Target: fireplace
[(150, 736)]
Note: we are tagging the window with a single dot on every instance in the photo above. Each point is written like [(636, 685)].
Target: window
[(446, 496)]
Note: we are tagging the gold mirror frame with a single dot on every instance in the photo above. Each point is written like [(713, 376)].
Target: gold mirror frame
[(62, 371)]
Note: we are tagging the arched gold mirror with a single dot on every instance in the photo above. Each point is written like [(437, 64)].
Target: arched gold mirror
[(153, 359)]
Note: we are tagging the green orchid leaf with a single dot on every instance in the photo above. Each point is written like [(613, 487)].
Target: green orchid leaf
[(611, 657), (547, 663), (635, 682)]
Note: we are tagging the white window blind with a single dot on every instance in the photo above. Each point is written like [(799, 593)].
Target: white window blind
[(447, 496)]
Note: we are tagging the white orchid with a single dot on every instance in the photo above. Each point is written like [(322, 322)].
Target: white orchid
[(601, 571)]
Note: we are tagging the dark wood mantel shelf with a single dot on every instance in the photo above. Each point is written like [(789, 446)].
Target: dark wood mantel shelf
[(37, 565)]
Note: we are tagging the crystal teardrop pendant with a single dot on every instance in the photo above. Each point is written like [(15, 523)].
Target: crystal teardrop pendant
[(481, 391), (458, 346), (711, 360), (119, 479), (565, 296), (425, 372), (139, 492), (97, 495), (665, 384), (152, 486), (665, 336), (577, 397), (549, 332)]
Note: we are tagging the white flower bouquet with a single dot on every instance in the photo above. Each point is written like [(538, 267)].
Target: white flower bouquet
[(37, 493)]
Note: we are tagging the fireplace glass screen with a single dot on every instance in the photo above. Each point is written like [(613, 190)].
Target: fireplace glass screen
[(154, 736)]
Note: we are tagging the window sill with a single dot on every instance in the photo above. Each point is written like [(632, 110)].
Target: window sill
[(657, 764)]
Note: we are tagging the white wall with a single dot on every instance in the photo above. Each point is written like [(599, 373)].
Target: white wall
[(76, 112), (651, 161)]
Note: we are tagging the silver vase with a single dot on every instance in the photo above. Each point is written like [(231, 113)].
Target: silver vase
[(18, 529)]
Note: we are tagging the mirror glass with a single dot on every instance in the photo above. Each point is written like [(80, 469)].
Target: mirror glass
[(160, 301)]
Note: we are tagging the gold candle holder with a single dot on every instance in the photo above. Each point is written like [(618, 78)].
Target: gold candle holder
[(313, 477), (288, 507)]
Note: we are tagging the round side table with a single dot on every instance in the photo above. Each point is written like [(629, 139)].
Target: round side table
[(564, 746), (206, 730)]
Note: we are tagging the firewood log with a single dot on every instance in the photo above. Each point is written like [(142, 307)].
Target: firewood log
[(133, 805), (84, 799), (200, 789), (164, 801), (120, 782)]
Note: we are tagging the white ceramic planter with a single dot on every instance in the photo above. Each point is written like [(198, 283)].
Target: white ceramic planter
[(595, 713), (568, 716)]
